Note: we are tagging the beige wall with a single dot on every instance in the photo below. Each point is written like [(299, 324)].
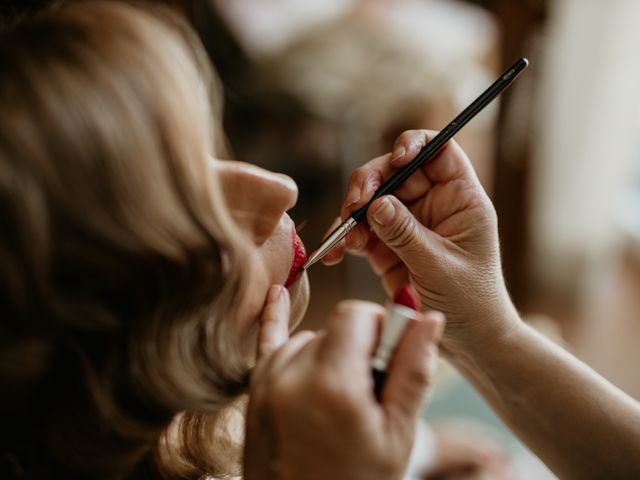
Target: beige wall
[(589, 127)]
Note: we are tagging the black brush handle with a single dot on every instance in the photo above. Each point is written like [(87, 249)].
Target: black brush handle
[(430, 150)]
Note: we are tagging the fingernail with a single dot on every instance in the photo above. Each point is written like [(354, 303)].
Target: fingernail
[(398, 154), (353, 197), (384, 212), (275, 291)]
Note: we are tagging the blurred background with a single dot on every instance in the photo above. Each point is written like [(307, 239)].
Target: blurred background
[(315, 88)]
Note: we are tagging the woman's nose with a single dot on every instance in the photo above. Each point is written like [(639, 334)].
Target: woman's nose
[(256, 197)]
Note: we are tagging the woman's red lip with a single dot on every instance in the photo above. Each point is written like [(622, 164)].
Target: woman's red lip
[(299, 258)]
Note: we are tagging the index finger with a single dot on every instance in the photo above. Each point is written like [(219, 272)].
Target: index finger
[(363, 183), (449, 164), (365, 180), (274, 321)]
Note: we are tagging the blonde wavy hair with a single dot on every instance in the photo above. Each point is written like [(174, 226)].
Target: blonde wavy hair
[(120, 266)]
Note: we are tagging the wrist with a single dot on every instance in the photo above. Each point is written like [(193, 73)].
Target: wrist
[(489, 331)]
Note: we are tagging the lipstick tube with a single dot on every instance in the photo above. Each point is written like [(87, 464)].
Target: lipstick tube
[(397, 319)]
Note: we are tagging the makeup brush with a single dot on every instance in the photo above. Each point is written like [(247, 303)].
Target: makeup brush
[(426, 154)]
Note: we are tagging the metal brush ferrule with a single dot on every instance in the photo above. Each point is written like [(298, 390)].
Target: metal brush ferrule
[(331, 241)]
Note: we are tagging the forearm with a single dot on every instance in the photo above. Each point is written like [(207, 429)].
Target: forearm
[(579, 424)]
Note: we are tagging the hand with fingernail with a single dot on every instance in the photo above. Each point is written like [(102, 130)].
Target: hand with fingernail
[(312, 413), (438, 231)]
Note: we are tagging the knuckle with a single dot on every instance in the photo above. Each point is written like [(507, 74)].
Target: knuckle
[(346, 307), (305, 335), (419, 377), (406, 137), (328, 388), (268, 347), (358, 174), (422, 137), (453, 144), (351, 308), (428, 135), (417, 136), (336, 397), (402, 233)]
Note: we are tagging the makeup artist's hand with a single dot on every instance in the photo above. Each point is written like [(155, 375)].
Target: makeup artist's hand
[(312, 413), (439, 231)]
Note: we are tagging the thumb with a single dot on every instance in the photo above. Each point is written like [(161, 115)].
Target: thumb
[(399, 229), (412, 367)]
